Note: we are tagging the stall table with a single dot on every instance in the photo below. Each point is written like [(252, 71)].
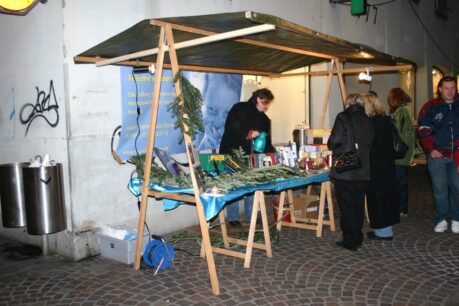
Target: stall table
[(213, 207)]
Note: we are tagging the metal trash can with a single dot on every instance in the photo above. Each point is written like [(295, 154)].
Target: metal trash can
[(44, 198), (12, 195)]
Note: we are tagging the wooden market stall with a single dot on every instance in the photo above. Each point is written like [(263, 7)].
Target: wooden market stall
[(242, 43)]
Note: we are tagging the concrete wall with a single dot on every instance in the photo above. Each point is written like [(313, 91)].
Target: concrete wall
[(39, 48)]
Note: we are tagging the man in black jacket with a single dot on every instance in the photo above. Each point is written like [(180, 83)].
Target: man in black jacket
[(245, 121)]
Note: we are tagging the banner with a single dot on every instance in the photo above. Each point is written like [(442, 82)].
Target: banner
[(220, 92)]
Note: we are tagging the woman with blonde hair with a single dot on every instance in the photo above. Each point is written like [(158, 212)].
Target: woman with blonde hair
[(351, 126), (382, 203)]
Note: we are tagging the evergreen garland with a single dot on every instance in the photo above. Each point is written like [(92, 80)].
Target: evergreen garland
[(224, 182), (187, 107)]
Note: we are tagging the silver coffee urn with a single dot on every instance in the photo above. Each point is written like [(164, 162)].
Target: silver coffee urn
[(300, 135)]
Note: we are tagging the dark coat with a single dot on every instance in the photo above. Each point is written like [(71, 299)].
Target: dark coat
[(382, 202), (352, 124), (243, 117)]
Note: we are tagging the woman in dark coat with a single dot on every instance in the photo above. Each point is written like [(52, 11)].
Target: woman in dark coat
[(245, 121), (351, 125), (382, 202)]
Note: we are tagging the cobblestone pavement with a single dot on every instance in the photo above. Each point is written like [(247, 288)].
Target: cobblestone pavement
[(419, 267)]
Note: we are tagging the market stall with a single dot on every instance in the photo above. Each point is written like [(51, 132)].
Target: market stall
[(242, 43)]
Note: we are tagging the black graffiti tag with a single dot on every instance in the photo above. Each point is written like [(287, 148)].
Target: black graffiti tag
[(41, 109)]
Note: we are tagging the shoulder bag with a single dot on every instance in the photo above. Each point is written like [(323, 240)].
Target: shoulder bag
[(400, 147), (350, 160)]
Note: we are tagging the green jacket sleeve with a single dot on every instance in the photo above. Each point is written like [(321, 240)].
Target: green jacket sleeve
[(404, 125)]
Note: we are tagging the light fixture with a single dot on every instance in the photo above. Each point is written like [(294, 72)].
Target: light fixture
[(145, 69), (18, 7), (365, 76)]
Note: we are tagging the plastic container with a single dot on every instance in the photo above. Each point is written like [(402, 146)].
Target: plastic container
[(12, 195), (44, 198), (118, 249), (286, 209)]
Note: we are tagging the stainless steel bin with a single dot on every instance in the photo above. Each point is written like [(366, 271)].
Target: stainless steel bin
[(12, 195), (44, 195)]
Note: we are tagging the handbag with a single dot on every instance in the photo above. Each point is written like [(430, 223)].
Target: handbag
[(347, 161), (400, 147)]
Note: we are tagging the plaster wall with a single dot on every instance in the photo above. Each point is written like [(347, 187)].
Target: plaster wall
[(40, 47)]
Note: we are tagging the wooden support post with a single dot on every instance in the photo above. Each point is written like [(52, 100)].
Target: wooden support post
[(331, 213), (327, 94), (339, 68), (264, 219), (188, 142), (291, 207), (253, 224), (366, 210), (280, 209), (304, 222), (149, 153), (221, 216)]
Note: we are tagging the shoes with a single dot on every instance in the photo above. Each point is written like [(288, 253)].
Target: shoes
[(346, 246), (443, 226), (234, 224), (372, 236), (455, 226)]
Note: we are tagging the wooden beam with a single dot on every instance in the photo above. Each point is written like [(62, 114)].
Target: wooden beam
[(339, 68), (327, 94), (173, 196), (244, 40), (244, 243), (149, 153), (182, 67), (87, 59), (188, 142), (346, 71), (190, 43), (229, 252)]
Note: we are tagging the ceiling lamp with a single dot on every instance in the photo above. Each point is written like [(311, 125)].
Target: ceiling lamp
[(365, 76), (18, 7)]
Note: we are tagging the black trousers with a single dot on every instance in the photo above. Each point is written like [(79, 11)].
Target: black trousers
[(402, 187), (351, 201)]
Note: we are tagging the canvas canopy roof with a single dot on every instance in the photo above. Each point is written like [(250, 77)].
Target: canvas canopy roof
[(287, 47)]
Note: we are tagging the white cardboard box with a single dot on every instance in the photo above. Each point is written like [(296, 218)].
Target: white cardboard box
[(117, 249)]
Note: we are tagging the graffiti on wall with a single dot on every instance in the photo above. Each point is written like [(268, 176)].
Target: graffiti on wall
[(45, 107)]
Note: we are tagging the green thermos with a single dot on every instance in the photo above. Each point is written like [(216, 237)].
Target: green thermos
[(259, 143)]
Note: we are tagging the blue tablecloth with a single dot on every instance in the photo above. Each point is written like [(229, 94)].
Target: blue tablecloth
[(213, 204)]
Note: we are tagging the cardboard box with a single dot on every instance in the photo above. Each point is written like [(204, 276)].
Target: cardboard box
[(118, 249), (305, 205)]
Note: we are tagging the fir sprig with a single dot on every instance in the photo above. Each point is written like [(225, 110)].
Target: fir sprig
[(187, 107), (224, 182)]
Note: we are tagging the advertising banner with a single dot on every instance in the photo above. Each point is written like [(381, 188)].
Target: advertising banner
[(220, 92)]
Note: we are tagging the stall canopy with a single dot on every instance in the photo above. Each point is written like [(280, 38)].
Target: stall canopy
[(244, 43), (288, 46)]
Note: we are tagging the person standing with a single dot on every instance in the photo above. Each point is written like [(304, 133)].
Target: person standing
[(398, 100), (383, 209), (351, 126), (245, 121), (438, 130)]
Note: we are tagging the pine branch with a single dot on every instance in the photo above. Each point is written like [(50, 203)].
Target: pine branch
[(187, 107)]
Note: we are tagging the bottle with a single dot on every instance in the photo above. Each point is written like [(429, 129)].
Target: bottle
[(259, 143)]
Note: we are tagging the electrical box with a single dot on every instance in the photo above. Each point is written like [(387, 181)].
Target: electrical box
[(358, 7)]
